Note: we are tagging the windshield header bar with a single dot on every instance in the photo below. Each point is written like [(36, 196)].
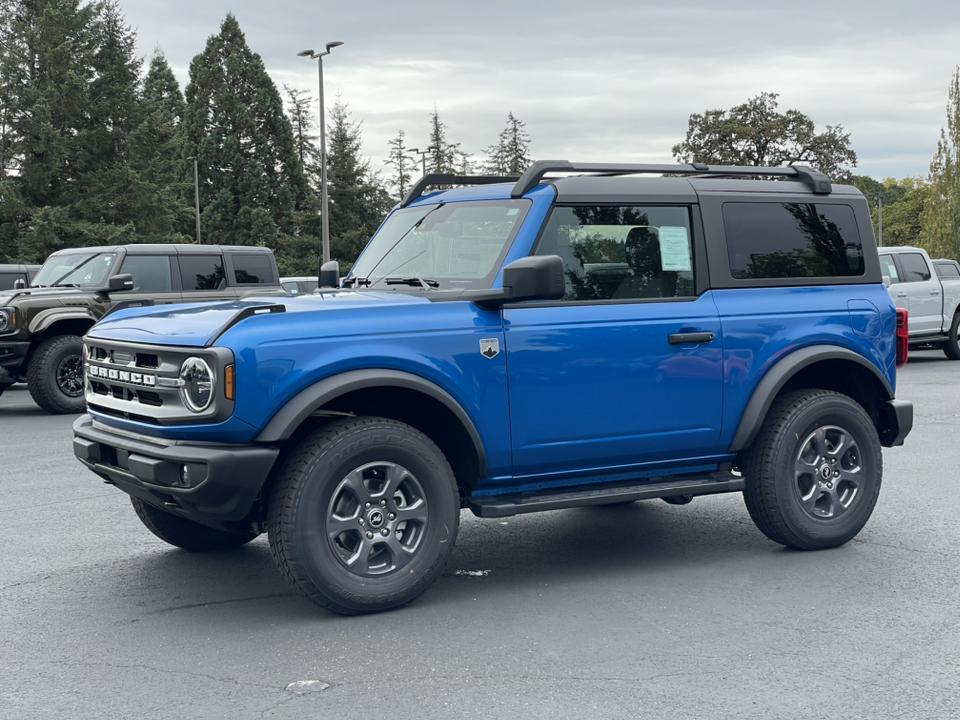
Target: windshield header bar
[(443, 179)]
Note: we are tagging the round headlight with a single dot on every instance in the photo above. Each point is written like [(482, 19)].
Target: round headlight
[(4, 321), (197, 388)]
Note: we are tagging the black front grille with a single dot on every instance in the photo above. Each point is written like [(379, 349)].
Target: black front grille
[(147, 360), (122, 414), (149, 398)]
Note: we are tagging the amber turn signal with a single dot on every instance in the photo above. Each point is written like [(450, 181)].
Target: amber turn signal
[(229, 384)]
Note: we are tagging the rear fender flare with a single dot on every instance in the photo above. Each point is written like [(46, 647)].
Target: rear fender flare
[(779, 375)]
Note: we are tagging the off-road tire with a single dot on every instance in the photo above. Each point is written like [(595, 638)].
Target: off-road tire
[(186, 534), (951, 347), (784, 464), (321, 495), (55, 375)]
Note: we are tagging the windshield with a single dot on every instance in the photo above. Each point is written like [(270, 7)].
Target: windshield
[(85, 269), (454, 245)]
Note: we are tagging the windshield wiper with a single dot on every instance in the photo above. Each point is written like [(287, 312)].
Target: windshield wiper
[(65, 285), (358, 281), (414, 281)]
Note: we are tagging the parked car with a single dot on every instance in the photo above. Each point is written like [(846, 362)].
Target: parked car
[(41, 326), (932, 297), (514, 347), (299, 285), (11, 275)]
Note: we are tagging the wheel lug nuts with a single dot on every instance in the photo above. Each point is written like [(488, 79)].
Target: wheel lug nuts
[(391, 516), (369, 535), (384, 532), (383, 503), (366, 505), (360, 520)]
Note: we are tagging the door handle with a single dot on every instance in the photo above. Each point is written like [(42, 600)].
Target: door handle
[(690, 337), (934, 292), (901, 294)]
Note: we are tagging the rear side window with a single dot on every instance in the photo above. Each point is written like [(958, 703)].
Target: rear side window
[(151, 273), (947, 270), (202, 272), (792, 240), (914, 267), (253, 269)]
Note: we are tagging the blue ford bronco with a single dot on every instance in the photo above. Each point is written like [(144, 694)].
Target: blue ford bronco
[(585, 334)]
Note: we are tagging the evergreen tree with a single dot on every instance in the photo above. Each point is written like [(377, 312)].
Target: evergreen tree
[(403, 165), (443, 155), (157, 159), (252, 182), (68, 77), (358, 201), (940, 220), (300, 109), (511, 154)]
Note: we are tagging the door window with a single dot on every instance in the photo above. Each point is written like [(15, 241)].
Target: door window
[(151, 273), (621, 253), (889, 268), (914, 267)]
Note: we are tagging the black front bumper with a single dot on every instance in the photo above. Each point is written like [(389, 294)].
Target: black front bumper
[(213, 484), (12, 356)]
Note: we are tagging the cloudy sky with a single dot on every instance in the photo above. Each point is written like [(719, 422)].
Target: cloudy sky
[(608, 80)]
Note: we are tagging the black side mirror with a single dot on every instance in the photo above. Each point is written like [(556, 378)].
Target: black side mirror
[(120, 282), (539, 277), (330, 274)]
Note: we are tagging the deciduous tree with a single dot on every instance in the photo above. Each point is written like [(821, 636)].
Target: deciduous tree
[(756, 133), (940, 220)]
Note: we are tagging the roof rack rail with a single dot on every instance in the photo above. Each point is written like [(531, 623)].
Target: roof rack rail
[(444, 179), (816, 181)]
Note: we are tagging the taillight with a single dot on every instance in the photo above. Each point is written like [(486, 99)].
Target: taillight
[(902, 333)]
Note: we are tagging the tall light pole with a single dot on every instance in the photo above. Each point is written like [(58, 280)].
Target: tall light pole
[(879, 220), (196, 195), (324, 219), (423, 155)]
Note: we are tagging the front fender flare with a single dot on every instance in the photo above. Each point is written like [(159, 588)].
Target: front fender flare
[(304, 403), (778, 376), (45, 318)]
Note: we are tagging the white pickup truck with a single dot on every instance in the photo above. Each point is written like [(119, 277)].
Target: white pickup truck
[(931, 298)]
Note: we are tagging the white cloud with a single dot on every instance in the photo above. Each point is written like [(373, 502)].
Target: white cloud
[(608, 80)]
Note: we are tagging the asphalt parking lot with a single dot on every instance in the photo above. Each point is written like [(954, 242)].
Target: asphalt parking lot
[(643, 611)]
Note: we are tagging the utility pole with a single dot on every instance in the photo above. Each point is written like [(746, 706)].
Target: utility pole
[(196, 196)]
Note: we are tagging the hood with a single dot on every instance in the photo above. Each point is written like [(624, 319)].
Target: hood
[(6, 296), (198, 324)]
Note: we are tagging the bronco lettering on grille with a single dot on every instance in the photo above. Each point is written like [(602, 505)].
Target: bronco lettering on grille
[(122, 376)]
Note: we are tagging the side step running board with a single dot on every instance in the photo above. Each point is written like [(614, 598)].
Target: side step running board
[(500, 506)]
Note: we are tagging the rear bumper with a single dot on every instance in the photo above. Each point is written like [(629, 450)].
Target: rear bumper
[(896, 422), (213, 484)]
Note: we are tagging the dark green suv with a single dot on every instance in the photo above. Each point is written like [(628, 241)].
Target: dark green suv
[(41, 325)]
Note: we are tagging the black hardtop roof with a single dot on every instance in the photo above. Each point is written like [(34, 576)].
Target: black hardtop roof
[(166, 249), (613, 181)]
